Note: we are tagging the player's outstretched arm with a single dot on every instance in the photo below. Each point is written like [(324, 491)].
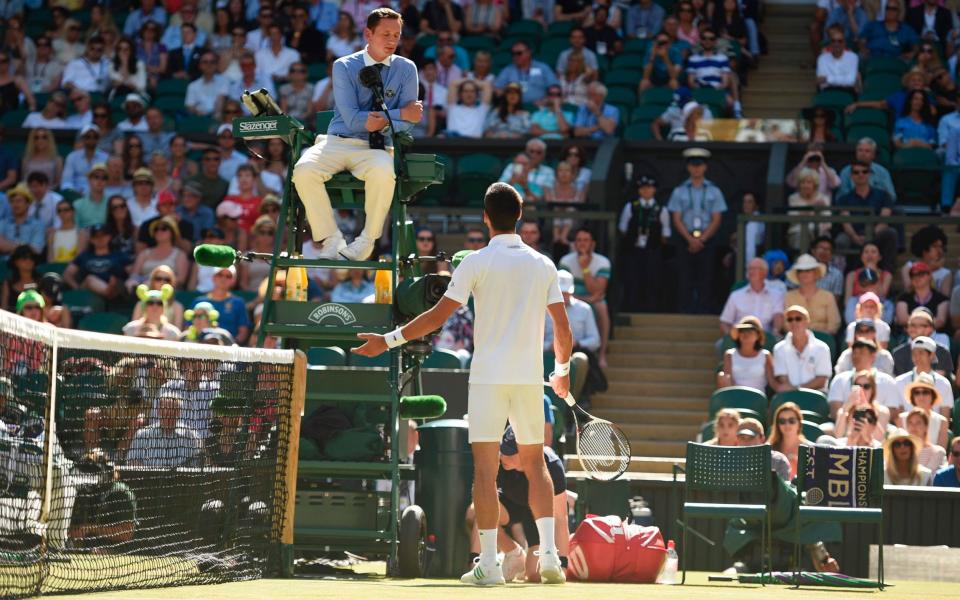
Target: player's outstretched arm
[(562, 346), (429, 321)]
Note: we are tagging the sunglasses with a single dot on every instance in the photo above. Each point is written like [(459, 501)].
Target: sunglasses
[(154, 303), (98, 177), (837, 40), (273, 208), (518, 52), (100, 115), (40, 137), (794, 319), (142, 182), (31, 307), (860, 172), (162, 228), (922, 392), (475, 240), (295, 71), (211, 158), (118, 206), (919, 274), (900, 444), (65, 209), (866, 386), (163, 279), (787, 421), (424, 239)]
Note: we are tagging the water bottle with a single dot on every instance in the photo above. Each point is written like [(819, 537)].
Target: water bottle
[(668, 573), (383, 285), (296, 283)]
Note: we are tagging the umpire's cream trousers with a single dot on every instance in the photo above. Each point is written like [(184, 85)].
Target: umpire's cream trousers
[(330, 155)]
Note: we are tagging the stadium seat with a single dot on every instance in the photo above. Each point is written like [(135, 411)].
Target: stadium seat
[(871, 514), (475, 173), (172, 87), (916, 158), (524, 27), (57, 268), (657, 95), (316, 71), (500, 59), (474, 43), (884, 64), (814, 401), (867, 116), (506, 44), (326, 357), (636, 46), (357, 360), (196, 124), (882, 83), (169, 104), (744, 470), (829, 340), (442, 359), (622, 96), (81, 302), (833, 99), (625, 78), (104, 322), (916, 175), (638, 132), (439, 193), (629, 61), (878, 134), (427, 40), (715, 99), (186, 297), (14, 118), (323, 121), (646, 113), (560, 29), (811, 430), (738, 396)]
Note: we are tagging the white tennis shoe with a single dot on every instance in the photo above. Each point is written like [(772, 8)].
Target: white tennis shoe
[(359, 249), (482, 574), (551, 571), (514, 564), (332, 247)]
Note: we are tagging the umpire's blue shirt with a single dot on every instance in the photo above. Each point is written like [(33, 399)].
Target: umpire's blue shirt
[(352, 101)]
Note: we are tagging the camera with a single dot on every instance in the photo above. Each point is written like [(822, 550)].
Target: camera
[(865, 414)]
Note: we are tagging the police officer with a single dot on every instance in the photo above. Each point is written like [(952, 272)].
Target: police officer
[(696, 207), (645, 226)]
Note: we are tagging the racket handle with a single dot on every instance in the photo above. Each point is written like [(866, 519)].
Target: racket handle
[(570, 400)]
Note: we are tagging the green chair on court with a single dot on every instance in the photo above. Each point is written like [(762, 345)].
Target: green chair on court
[(741, 469), (442, 359), (326, 357)]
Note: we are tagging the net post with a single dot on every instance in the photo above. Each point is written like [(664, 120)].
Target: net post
[(291, 462)]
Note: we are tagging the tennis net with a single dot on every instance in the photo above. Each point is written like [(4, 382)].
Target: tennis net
[(132, 463)]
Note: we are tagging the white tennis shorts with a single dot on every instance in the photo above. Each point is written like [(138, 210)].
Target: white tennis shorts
[(491, 405)]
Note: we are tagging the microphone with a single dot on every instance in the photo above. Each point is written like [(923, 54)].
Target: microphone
[(215, 255), (370, 79), (422, 407)]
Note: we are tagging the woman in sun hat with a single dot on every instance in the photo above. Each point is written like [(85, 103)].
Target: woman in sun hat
[(824, 315), (923, 393), (747, 363), (901, 459)]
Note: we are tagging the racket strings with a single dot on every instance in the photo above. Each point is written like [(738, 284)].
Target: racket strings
[(604, 449)]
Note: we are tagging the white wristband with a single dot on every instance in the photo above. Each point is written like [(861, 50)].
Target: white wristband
[(394, 338), (560, 369)]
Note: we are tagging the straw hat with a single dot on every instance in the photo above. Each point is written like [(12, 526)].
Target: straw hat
[(21, 190), (901, 434), (169, 222), (923, 380), (806, 262), (748, 323)]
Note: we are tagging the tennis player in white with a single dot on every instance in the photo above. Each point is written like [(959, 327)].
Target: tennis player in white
[(512, 286)]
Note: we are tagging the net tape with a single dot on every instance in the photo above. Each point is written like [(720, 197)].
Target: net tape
[(603, 449), (163, 464)]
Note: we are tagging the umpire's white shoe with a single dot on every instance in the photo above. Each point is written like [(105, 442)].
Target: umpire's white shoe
[(359, 249), (483, 574), (551, 571), (332, 247)]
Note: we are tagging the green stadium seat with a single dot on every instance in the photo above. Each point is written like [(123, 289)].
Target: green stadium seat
[(316, 71), (554, 47), (172, 87), (13, 119), (636, 46), (196, 124), (323, 121), (438, 194), (878, 134), (186, 297), (500, 59), (57, 268), (874, 95), (357, 360), (738, 396), (916, 158), (104, 322), (326, 357), (638, 132), (474, 43), (560, 29), (83, 301), (524, 27), (245, 295), (427, 40), (883, 156), (169, 104), (837, 99), (829, 340), (867, 116), (626, 78), (506, 44), (813, 401), (916, 175), (475, 173), (629, 61), (657, 95), (442, 359), (716, 99), (620, 96), (884, 83), (895, 66), (646, 112)]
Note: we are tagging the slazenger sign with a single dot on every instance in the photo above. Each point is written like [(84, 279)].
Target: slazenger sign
[(257, 126), (333, 311)]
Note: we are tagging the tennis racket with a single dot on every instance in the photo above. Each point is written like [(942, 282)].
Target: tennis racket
[(603, 449)]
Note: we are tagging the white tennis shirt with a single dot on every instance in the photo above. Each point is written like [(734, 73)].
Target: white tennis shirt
[(512, 285)]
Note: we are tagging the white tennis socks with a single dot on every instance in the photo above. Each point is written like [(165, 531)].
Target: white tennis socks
[(545, 529), (488, 546)]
